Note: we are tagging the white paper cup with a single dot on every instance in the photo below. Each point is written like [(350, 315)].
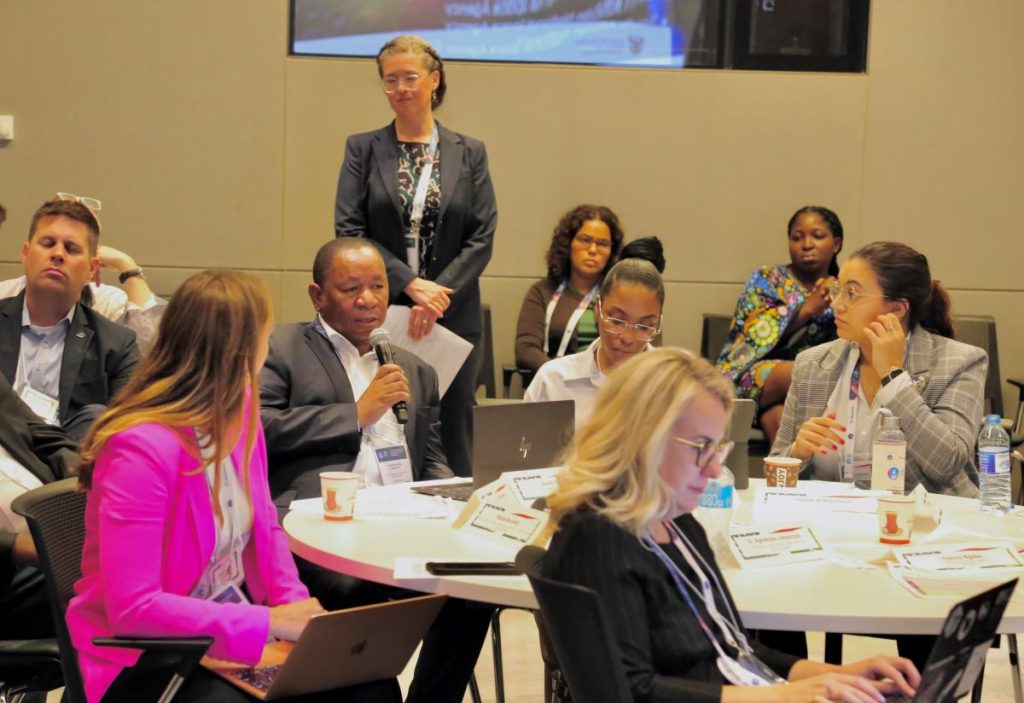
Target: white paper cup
[(895, 519), (339, 493), (781, 471)]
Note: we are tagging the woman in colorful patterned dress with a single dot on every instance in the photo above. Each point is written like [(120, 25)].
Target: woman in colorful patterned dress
[(783, 310)]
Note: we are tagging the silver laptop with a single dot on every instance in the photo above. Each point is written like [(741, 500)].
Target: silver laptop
[(339, 649), (513, 437)]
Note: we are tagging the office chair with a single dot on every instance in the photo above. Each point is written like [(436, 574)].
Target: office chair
[(578, 629), (56, 519)]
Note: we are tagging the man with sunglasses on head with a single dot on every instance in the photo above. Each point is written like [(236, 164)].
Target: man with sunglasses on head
[(64, 359), (628, 315), (134, 305)]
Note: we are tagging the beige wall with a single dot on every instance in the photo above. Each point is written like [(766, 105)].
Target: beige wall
[(210, 147)]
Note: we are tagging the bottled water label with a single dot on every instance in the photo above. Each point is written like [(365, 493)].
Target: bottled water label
[(994, 463), (717, 496)]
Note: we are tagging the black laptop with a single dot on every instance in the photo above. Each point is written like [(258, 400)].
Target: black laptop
[(512, 437), (958, 655)]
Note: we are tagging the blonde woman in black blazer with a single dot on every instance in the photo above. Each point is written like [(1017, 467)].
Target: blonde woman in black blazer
[(376, 193)]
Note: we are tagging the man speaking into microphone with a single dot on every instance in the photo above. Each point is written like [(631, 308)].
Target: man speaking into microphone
[(329, 404)]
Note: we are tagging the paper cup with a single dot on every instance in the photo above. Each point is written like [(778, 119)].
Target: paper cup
[(339, 493), (781, 471), (895, 519)]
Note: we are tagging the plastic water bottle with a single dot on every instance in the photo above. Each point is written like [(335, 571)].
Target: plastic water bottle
[(715, 511), (994, 466), (889, 456)]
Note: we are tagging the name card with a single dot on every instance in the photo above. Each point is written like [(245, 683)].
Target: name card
[(503, 519), (959, 557), (532, 484), (802, 501), (755, 547)]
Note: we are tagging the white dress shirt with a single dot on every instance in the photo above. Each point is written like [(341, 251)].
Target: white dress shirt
[(575, 377), (360, 369)]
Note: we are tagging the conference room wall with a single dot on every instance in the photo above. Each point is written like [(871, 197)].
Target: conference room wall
[(211, 147)]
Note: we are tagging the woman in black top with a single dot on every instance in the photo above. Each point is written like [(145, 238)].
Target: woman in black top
[(423, 194), (623, 512)]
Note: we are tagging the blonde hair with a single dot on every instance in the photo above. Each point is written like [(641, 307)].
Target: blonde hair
[(198, 373), (612, 466)]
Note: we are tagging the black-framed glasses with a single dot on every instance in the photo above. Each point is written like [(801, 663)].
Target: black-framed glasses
[(837, 293), (91, 203), (707, 450), (586, 241), (392, 84)]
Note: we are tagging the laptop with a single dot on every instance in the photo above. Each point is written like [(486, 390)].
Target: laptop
[(512, 437), (343, 648), (958, 655)]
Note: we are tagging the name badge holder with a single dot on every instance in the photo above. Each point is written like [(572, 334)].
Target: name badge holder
[(743, 670), (387, 441), (43, 405), (419, 200), (574, 319)]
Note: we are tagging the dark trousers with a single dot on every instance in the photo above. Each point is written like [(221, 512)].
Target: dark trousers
[(146, 680), (24, 609), (452, 644), (916, 648), (457, 413)]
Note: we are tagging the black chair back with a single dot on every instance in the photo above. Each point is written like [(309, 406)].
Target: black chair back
[(980, 330), (579, 631), (485, 373), (713, 333), (55, 515)]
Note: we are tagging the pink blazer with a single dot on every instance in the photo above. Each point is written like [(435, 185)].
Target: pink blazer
[(150, 530)]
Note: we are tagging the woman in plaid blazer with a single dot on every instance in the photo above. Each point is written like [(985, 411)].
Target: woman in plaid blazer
[(895, 350)]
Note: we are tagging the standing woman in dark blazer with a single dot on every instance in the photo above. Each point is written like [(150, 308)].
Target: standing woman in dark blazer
[(423, 194)]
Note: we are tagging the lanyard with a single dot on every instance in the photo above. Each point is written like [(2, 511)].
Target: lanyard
[(745, 669), (419, 200), (574, 319), (846, 472)]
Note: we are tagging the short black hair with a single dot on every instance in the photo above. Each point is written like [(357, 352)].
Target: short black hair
[(325, 255)]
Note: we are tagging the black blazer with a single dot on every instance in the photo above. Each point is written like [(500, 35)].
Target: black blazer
[(43, 449), (368, 205), (99, 355), (309, 414)]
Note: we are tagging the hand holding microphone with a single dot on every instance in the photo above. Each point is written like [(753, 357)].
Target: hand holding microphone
[(389, 388)]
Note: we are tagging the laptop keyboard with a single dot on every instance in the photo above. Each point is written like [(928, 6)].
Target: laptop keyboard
[(455, 491), (261, 678)]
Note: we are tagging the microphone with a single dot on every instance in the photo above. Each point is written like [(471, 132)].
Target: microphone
[(380, 340)]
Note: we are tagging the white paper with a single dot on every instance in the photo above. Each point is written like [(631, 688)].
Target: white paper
[(371, 503), (815, 502), (530, 484), (308, 506), (946, 584), (442, 348), (959, 557)]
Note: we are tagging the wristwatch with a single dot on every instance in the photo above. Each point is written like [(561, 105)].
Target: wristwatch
[(894, 372), (131, 273)]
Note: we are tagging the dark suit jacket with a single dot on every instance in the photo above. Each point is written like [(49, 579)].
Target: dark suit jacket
[(43, 449), (99, 355), (309, 413), (368, 205)]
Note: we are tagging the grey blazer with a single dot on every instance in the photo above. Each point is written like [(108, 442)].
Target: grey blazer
[(940, 413), (368, 205), (309, 414)]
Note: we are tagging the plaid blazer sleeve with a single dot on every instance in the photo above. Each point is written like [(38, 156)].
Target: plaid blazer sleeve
[(941, 415)]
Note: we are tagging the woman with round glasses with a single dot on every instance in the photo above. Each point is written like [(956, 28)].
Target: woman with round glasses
[(624, 528), (423, 194), (628, 313), (557, 315), (896, 350), (783, 310)]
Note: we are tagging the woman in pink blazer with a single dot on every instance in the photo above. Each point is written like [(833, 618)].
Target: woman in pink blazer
[(181, 536)]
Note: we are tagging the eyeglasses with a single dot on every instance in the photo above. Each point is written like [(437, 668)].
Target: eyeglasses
[(91, 203), (586, 241), (406, 82), (707, 450), (837, 293), (614, 325)]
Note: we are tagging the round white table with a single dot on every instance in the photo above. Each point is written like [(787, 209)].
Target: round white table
[(814, 596)]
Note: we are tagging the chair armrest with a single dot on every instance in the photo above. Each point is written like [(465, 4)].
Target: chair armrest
[(1016, 382), (183, 645)]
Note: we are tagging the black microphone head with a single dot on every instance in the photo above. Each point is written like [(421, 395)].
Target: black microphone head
[(379, 336)]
